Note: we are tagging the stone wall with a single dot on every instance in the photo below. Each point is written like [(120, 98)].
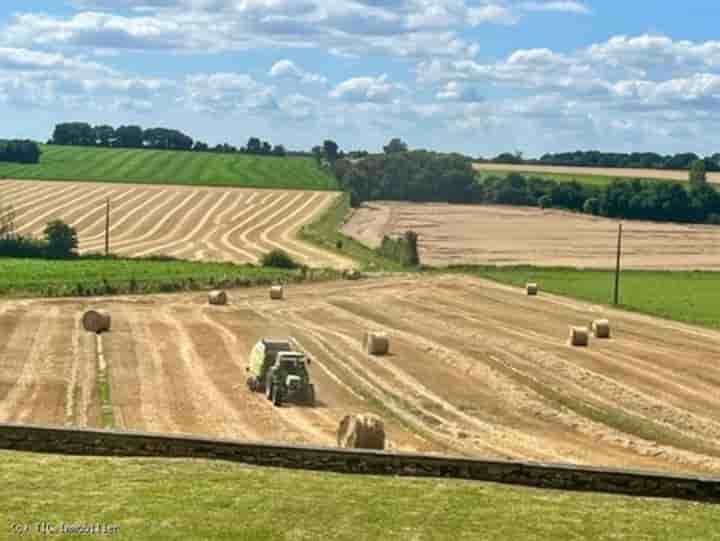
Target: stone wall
[(133, 444)]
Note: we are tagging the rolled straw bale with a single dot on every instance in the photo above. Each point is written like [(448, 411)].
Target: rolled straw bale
[(277, 293), (532, 289), (364, 431), (601, 328), (96, 321), (218, 297), (579, 336), (376, 343)]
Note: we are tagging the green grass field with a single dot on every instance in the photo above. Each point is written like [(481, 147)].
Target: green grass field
[(43, 277), (594, 180), (172, 167), (199, 500), (691, 297)]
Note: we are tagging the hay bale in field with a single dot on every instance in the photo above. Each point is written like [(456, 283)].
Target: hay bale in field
[(532, 289), (96, 321), (365, 431), (277, 293), (218, 298), (579, 336), (600, 328), (376, 343)]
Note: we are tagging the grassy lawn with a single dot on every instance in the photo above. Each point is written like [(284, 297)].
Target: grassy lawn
[(42, 277), (691, 297), (172, 167), (193, 499), (325, 233)]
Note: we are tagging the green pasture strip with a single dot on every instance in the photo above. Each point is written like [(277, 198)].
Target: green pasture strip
[(686, 296), (98, 276)]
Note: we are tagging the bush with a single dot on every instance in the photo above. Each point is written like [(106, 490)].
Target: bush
[(404, 250), (61, 239), (279, 259), (545, 202), (592, 206)]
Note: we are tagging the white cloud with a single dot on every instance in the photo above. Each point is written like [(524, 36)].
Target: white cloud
[(563, 6), (366, 89), (226, 93), (287, 68), (454, 91)]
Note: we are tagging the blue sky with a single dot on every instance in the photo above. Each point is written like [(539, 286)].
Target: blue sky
[(476, 76)]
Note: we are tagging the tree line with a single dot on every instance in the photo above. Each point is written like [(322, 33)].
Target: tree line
[(635, 199), (83, 134), (634, 160), (19, 151), (422, 176)]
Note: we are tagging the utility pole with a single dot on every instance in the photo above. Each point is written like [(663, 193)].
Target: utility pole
[(107, 228), (617, 266)]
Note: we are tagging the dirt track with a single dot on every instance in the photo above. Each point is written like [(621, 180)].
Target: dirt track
[(217, 224), (601, 171), (475, 368), (505, 235)]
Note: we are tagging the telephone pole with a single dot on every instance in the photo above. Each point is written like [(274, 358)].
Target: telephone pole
[(617, 265), (107, 228)]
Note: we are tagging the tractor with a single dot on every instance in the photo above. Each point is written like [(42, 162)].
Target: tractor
[(280, 371)]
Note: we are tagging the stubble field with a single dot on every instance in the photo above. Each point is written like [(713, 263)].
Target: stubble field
[(476, 368), (506, 235), (196, 223), (612, 172)]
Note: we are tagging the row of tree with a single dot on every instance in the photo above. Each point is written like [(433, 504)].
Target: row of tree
[(594, 158), (83, 134), (19, 151), (630, 199), (409, 176)]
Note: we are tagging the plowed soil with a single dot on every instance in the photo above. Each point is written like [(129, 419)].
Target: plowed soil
[(211, 224), (475, 368), (505, 235)]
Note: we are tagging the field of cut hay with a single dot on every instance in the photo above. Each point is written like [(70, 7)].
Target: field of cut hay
[(582, 172), (473, 368), (205, 224), (506, 235)]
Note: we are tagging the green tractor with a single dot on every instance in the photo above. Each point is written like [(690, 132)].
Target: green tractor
[(278, 370)]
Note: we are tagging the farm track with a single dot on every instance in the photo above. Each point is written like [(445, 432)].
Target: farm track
[(211, 224), (476, 368)]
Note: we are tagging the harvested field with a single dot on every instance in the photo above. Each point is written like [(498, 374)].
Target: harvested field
[(475, 368), (506, 235), (208, 224), (619, 172)]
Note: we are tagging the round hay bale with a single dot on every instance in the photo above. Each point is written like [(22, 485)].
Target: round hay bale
[(218, 298), (277, 293), (364, 431), (532, 289), (376, 343), (579, 336), (601, 328), (96, 321)]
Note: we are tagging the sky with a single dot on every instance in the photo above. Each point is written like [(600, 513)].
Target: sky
[(473, 76)]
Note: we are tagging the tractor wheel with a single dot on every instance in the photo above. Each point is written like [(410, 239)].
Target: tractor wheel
[(276, 399)]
